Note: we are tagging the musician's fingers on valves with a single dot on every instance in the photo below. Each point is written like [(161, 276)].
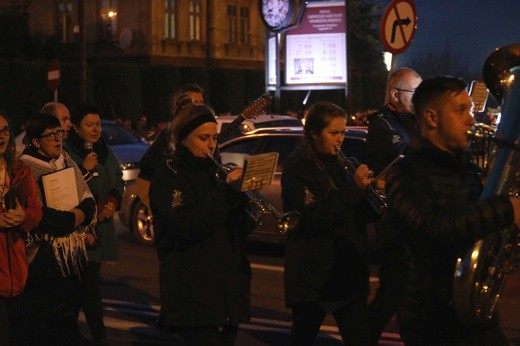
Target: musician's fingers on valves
[(363, 176), (234, 174)]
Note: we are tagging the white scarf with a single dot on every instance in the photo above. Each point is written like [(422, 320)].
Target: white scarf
[(70, 251)]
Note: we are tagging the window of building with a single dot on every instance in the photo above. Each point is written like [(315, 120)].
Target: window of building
[(64, 29), (195, 20), (170, 23), (232, 23), (109, 19), (244, 25), (238, 24)]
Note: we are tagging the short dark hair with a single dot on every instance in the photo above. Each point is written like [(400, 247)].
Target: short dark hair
[(82, 109), (319, 117), (177, 95), (38, 123), (432, 89)]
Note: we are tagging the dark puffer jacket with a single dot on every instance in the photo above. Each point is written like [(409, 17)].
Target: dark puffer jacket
[(205, 275), (435, 198), (325, 255)]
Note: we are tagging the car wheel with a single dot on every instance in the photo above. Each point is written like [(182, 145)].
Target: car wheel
[(142, 225)]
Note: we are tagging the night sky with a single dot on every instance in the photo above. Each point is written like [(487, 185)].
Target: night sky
[(472, 29)]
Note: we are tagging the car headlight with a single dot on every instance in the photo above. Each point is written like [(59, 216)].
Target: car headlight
[(128, 165)]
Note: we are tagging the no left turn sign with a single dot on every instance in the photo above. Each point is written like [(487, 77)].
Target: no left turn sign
[(398, 26)]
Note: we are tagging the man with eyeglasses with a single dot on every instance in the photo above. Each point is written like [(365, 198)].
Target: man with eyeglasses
[(46, 311), (390, 131), (60, 111)]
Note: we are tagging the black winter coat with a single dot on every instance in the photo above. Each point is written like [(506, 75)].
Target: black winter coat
[(205, 275), (390, 133), (435, 198), (325, 258)]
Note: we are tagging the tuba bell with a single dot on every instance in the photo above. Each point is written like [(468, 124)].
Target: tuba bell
[(480, 276)]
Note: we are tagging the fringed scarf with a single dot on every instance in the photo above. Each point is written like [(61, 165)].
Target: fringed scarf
[(70, 250)]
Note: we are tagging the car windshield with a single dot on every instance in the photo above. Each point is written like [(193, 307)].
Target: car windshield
[(114, 134), (279, 123), (282, 144)]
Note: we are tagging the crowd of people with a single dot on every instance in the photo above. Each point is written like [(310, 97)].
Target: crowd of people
[(56, 246)]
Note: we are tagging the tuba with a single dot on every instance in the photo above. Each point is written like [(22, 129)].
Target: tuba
[(480, 276)]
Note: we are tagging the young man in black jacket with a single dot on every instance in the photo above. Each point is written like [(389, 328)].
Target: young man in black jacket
[(434, 193)]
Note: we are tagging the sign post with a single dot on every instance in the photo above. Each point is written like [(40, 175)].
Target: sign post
[(398, 26), (53, 77)]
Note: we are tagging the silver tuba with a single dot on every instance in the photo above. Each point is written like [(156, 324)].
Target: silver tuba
[(257, 206), (480, 276)]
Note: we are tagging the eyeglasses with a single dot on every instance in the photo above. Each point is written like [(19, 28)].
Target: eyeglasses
[(53, 135), (6, 131), (405, 90)]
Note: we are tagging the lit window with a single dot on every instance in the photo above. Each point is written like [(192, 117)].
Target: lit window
[(244, 25), (170, 19), (232, 23), (109, 19), (195, 20), (64, 29)]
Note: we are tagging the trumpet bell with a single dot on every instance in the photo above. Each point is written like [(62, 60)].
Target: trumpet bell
[(288, 222)]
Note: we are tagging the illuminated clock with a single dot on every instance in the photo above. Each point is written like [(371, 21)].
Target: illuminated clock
[(276, 14)]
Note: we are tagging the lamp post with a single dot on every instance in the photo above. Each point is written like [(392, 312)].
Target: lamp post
[(82, 52)]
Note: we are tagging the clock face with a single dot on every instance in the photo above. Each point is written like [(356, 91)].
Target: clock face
[(276, 13)]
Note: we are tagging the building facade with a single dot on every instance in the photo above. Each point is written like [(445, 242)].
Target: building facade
[(220, 33)]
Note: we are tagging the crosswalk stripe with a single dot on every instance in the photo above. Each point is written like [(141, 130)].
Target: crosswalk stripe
[(256, 323)]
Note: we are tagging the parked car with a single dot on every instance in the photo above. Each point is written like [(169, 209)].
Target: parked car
[(264, 121), (137, 218)]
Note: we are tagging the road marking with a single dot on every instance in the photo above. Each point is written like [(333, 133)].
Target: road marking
[(280, 269), (132, 309), (267, 267)]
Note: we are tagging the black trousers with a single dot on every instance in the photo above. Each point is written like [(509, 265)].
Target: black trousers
[(489, 336), (55, 325), (393, 272), (90, 298), (210, 335), (5, 309), (352, 321), (436, 323)]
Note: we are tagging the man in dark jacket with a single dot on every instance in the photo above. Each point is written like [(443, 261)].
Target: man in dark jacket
[(389, 134), (434, 193)]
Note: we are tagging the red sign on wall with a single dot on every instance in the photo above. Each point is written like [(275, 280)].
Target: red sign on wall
[(53, 74)]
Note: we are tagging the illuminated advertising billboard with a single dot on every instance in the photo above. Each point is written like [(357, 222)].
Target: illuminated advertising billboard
[(316, 51)]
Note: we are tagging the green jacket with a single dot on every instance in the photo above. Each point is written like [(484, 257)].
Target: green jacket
[(107, 185)]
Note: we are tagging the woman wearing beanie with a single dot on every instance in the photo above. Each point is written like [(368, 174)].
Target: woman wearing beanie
[(204, 274)]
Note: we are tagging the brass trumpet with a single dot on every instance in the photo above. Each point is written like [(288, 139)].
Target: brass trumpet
[(376, 198), (257, 206)]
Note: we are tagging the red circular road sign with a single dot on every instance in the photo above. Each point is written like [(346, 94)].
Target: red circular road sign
[(398, 26), (53, 74)]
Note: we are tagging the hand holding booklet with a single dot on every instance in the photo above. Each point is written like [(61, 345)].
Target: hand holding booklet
[(60, 190)]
